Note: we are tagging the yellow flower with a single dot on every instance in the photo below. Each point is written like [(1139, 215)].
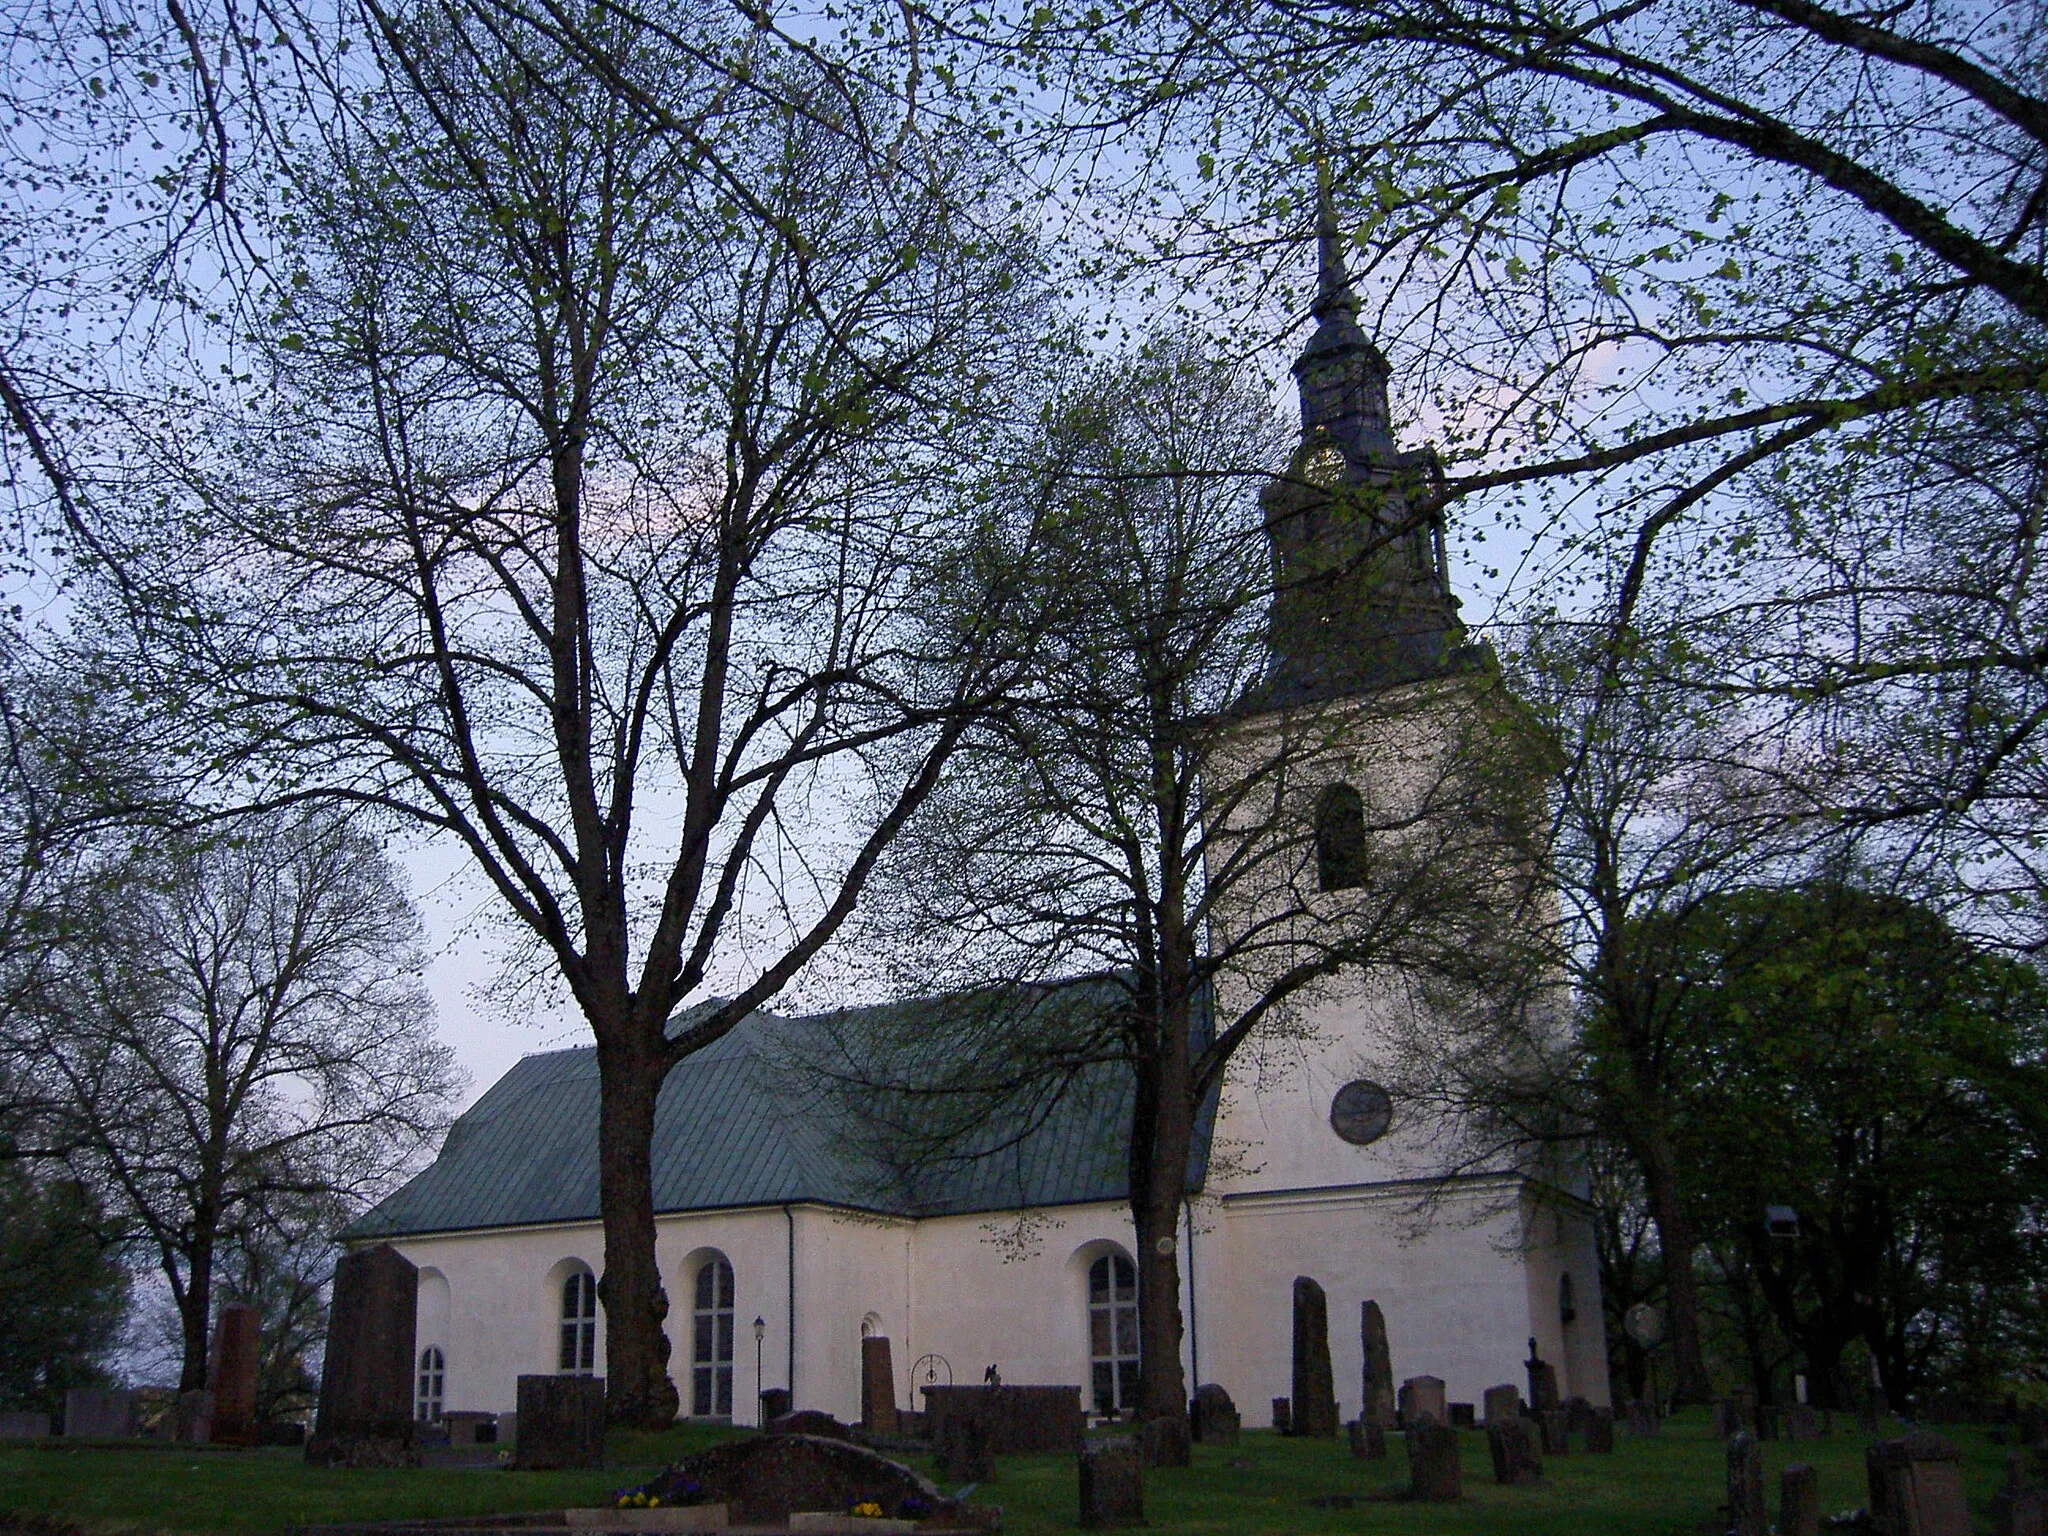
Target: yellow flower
[(868, 1511)]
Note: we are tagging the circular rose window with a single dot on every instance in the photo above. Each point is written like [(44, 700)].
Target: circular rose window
[(1361, 1112)]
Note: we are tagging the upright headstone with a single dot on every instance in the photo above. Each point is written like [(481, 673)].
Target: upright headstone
[(1315, 1392), (1368, 1441), (1803, 1421), (23, 1425), (1112, 1484), (1166, 1440), (1422, 1402), (1746, 1486), (365, 1413), (1379, 1368), (1556, 1427), (471, 1427), (1577, 1410), (1599, 1432), (964, 1456), (98, 1413), (195, 1417), (1770, 1421), (775, 1404), (561, 1423), (1642, 1417), (1512, 1443), (1502, 1402), (1916, 1486), (877, 1387), (1542, 1381), (1212, 1417), (2016, 1509), (237, 1358), (1799, 1501), (1283, 1415), (1433, 1474)]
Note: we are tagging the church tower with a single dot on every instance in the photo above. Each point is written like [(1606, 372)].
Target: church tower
[(1361, 598)]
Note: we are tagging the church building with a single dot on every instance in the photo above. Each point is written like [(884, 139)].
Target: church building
[(782, 1241)]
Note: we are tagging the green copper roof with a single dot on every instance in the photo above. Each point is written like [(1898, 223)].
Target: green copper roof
[(741, 1123)]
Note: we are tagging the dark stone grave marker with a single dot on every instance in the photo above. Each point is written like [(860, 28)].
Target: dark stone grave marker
[(1555, 1426), (1282, 1415), (1166, 1441), (195, 1417), (809, 1421), (1379, 1368), (1422, 1402), (561, 1422), (877, 1387), (1315, 1392), (964, 1456), (776, 1402), (764, 1479), (1916, 1486), (1642, 1417), (1213, 1418), (1799, 1501), (1502, 1402), (1542, 1381), (237, 1357), (1112, 1484), (98, 1413), (1804, 1422), (366, 1385), (467, 1427), (1599, 1432), (2016, 1509), (1516, 1458), (1463, 1417), (1746, 1486), (1021, 1420), (1433, 1473), (1368, 1441)]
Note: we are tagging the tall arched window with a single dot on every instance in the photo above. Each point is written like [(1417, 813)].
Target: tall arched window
[(578, 1355), (1340, 838), (1113, 1333), (711, 1342), (1567, 1304), (432, 1385)]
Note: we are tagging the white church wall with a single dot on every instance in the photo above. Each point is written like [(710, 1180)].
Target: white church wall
[(849, 1266)]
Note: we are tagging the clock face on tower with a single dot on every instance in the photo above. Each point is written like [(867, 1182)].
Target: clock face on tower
[(1361, 1112)]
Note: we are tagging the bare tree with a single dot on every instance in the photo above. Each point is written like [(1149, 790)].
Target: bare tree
[(594, 469), (247, 1025)]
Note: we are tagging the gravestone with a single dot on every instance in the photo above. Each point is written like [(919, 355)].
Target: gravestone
[(1112, 1484), (1516, 1458), (1368, 1441), (764, 1479), (1378, 1400), (468, 1427), (1556, 1427), (1867, 1415), (195, 1417), (1803, 1421), (1433, 1475), (1599, 1432), (1746, 1486), (1463, 1417), (877, 1387), (1799, 1501), (1770, 1421), (561, 1423), (1502, 1402), (1315, 1392), (1422, 1402), (1642, 1417), (1577, 1410), (508, 1428), (963, 1450), (1021, 1420), (809, 1421), (1165, 1440), (1282, 1415), (24, 1426), (365, 1413), (1212, 1418), (2016, 1509), (1916, 1486), (1542, 1381), (98, 1413), (776, 1403), (237, 1357)]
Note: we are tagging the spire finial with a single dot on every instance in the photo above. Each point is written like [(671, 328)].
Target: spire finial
[(1333, 286)]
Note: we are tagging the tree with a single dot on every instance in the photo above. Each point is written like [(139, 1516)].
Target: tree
[(247, 1027), (594, 464), (1126, 858), (1849, 1057), (63, 1293)]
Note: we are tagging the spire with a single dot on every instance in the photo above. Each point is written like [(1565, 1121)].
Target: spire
[(1333, 284)]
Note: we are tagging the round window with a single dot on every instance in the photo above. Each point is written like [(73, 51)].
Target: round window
[(1361, 1112)]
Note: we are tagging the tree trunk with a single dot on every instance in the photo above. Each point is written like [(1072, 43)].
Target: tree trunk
[(195, 1311), (1155, 1211), (1676, 1243), (638, 1391)]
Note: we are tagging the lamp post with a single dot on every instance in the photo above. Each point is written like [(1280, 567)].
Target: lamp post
[(760, 1416)]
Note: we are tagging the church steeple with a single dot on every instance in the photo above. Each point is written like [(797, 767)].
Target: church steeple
[(1360, 597)]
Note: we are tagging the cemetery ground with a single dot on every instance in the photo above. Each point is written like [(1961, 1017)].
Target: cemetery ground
[(1673, 1483)]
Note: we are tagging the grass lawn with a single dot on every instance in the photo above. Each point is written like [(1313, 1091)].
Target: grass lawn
[(1672, 1484)]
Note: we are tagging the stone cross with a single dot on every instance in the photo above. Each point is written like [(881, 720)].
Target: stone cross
[(237, 1358), (1542, 1381), (877, 1387), (366, 1385), (1379, 1367), (1315, 1393)]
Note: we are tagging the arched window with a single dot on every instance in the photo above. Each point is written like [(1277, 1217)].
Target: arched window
[(1567, 1307), (711, 1342), (579, 1325), (1113, 1333), (1340, 838), (432, 1385)]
